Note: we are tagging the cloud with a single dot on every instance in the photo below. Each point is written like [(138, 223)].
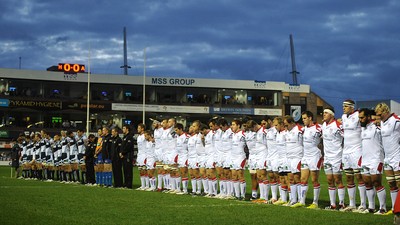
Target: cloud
[(343, 48)]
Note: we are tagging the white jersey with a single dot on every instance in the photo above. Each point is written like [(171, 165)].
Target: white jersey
[(294, 142), (157, 137), (209, 144), (168, 140), (250, 138), (141, 143), (218, 141), (182, 144), (226, 141), (271, 143), (351, 133), (332, 136), (149, 149), (280, 142), (192, 143), (200, 149), (238, 144), (390, 130), (372, 150), (311, 139), (81, 142)]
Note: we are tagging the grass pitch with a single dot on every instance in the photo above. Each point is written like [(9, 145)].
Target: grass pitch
[(37, 202)]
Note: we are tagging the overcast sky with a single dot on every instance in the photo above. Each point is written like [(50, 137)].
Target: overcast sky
[(344, 49)]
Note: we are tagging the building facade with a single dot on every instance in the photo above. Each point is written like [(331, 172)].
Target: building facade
[(31, 100)]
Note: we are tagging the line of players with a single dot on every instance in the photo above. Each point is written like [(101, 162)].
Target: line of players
[(75, 158), (282, 158), (57, 158)]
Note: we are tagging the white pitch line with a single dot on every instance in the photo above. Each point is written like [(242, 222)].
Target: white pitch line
[(208, 205)]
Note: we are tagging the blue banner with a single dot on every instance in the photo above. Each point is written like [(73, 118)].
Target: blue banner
[(4, 102), (239, 111)]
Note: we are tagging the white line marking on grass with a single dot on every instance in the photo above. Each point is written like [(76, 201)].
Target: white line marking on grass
[(208, 205)]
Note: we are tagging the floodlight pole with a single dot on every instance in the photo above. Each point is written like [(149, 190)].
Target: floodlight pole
[(144, 86), (88, 95)]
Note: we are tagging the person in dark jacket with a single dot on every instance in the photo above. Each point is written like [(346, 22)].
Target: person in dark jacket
[(126, 155), (15, 155), (115, 159), (89, 159)]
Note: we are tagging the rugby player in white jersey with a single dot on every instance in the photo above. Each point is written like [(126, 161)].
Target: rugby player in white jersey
[(238, 160), (164, 142), (294, 154), (170, 155), (282, 164), (193, 166), (202, 158), (311, 161), (209, 145), (352, 155), (258, 157), (218, 154), (332, 136), (390, 130), (224, 159), (276, 146), (372, 162), (158, 130), (141, 158), (149, 149), (182, 148)]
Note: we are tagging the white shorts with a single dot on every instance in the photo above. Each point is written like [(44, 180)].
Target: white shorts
[(150, 163), (201, 161), (392, 164), (257, 161), (159, 154), (171, 158), (294, 165), (140, 161), (182, 160), (223, 160), (311, 163), (283, 165), (352, 160), (210, 163), (237, 163), (333, 165), (273, 165), (192, 163), (372, 168)]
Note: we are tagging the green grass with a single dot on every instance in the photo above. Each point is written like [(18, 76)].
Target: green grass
[(35, 202)]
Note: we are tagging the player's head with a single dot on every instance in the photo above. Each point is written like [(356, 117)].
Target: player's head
[(382, 111), (365, 116), (329, 114), (348, 106), (307, 117)]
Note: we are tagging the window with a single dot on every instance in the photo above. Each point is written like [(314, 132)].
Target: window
[(303, 100), (285, 100)]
